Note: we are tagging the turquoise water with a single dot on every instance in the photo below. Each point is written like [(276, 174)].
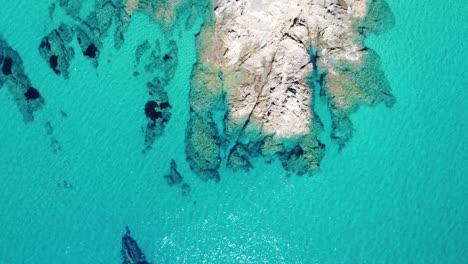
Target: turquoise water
[(395, 194)]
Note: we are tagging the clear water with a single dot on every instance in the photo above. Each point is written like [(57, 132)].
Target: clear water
[(395, 194)]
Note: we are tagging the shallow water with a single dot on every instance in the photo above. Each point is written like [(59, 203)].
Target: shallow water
[(395, 194)]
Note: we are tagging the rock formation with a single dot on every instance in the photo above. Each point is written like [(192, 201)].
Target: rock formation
[(261, 54), (261, 66)]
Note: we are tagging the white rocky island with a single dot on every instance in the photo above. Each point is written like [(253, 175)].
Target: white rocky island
[(263, 59)]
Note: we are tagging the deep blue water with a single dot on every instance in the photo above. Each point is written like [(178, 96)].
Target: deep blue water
[(395, 194)]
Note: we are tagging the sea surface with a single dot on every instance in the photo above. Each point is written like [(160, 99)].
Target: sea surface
[(397, 192)]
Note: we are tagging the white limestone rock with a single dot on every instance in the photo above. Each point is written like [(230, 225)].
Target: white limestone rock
[(262, 48)]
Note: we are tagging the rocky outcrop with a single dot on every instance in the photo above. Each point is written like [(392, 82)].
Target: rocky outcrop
[(55, 48), (261, 53)]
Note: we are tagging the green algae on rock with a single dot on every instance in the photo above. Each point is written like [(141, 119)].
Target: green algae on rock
[(203, 141), (362, 83), (203, 146), (379, 18), (349, 84)]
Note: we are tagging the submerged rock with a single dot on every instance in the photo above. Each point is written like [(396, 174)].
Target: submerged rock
[(91, 51), (71, 7), (55, 145), (90, 41), (158, 108), (170, 61), (6, 67), (27, 98), (53, 62), (239, 157), (157, 112), (109, 17), (131, 252), (304, 157), (203, 146), (56, 50), (32, 94), (185, 189), (141, 49), (174, 177), (151, 112), (49, 128), (365, 83)]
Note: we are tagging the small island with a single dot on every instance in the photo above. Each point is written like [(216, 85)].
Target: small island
[(261, 63)]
